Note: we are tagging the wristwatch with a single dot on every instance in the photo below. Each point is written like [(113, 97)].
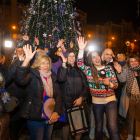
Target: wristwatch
[(83, 99)]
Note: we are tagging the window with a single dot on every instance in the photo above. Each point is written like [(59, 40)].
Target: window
[(7, 12)]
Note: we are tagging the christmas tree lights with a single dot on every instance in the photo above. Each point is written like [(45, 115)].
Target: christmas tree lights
[(51, 20)]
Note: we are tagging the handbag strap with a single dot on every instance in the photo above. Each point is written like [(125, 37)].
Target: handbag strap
[(72, 121), (82, 115)]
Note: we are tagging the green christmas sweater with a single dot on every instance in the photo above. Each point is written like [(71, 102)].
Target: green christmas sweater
[(103, 91)]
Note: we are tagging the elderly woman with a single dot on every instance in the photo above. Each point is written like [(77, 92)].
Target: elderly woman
[(121, 59), (40, 81), (131, 75)]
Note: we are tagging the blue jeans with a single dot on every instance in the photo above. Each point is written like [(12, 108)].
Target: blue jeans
[(111, 112), (40, 130)]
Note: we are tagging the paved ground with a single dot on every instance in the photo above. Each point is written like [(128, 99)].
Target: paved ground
[(57, 133)]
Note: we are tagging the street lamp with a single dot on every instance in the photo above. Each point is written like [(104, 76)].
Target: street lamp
[(127, 44), (8, 44), (113, 38), (14, 27), (89, 35)]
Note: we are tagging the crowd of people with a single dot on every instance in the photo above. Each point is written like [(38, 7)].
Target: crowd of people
[(107, 84)]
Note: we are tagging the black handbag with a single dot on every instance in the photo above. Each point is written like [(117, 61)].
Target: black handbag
[(78, 119)]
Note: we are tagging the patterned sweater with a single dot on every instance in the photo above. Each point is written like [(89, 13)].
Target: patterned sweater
[(103, 91)]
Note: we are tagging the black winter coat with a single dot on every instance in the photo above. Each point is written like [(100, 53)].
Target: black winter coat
[(15, 89), (73, 85), (32, 108)]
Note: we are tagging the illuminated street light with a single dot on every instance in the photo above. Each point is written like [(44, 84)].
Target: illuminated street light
[(89, 35), (8, 44), (113, 38), (14, 27), (127, 43)]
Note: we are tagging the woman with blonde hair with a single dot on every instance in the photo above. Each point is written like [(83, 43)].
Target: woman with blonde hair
[(40, 81)]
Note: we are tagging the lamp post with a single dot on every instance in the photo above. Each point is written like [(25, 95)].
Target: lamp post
[(8, 44), (127, 44)]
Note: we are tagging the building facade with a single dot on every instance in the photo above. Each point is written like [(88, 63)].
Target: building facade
[(113, 36)]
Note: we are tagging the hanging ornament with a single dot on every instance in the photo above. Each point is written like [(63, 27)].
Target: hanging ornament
[(79, 33), (75, 14), (54, 29), (44, 35), (72, 16), (66, 12), (78, 23), (43, 6), (79, 28), (55, 1)]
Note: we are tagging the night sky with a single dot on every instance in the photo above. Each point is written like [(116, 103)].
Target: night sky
[(100, 11)]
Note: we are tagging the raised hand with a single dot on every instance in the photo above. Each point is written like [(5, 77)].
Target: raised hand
[(3, 59), (63, 48), (60, 42), (117, 67), (63, 58), (71, 44), (81, 43), (25, 37), (28, 53), (36, 40)]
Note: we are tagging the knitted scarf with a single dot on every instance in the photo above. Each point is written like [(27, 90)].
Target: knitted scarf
[(47, 84), (132, 86)]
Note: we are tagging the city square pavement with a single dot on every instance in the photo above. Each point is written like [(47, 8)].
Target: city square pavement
[(57, 132)]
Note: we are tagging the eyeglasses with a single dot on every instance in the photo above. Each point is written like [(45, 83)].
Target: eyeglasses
[(71, 56), (19, 50)]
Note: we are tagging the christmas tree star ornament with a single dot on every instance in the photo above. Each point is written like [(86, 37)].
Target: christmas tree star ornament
[(44, 35)]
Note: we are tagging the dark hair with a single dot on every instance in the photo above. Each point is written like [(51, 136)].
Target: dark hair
[(132, 56), (75, 63), (93, 69)]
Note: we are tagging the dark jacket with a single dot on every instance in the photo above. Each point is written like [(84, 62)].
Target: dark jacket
[(73, 85), (32, 108), (16, 90), (3, 68)]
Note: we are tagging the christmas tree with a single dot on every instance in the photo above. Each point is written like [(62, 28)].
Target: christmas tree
[(49, 21)]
